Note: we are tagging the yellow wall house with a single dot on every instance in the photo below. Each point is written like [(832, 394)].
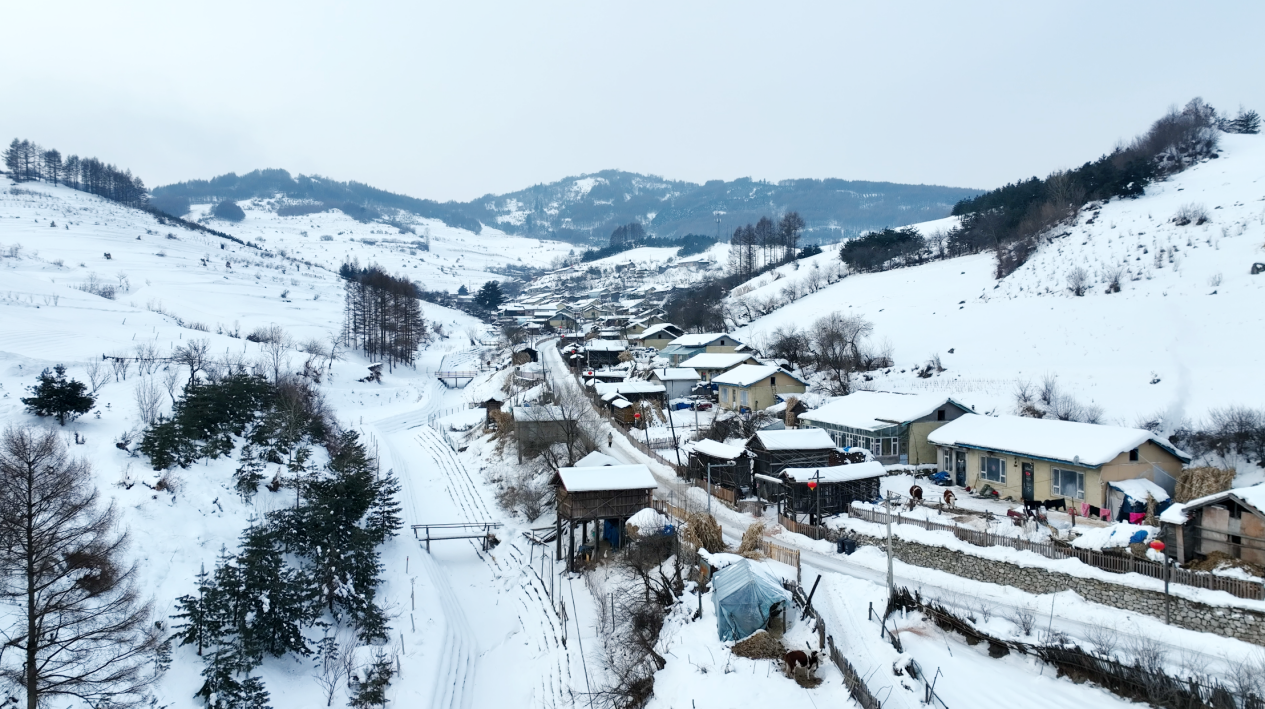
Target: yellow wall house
[(755, 386), (1042, 459)]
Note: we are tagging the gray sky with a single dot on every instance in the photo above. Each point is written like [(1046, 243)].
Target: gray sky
[(455, 100)]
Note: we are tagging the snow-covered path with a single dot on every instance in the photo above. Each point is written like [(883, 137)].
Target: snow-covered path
[(493, 607)]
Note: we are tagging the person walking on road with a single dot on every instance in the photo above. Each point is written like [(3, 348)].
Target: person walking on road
[(610, 439)]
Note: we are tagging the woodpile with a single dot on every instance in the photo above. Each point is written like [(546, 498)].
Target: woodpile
[(760, 646)]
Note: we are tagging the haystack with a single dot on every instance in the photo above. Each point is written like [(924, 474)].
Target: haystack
[(703, 531), (752, 542), (1198, 482)]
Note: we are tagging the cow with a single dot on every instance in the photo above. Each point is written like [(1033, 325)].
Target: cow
[(949, 498), (794, 660), (1056, 504), (915, 496)]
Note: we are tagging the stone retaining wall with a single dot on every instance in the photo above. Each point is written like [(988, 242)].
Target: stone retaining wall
[(1246, 625)]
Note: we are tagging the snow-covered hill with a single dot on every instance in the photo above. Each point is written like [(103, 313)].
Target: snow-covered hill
[(1182, 336), (172, 285)]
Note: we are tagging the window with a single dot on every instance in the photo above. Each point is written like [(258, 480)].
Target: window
[(940, 415), (1133, 455), (1068, 483), (744, 397), (992, 469)]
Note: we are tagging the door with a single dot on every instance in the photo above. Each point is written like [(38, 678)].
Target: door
[(1028, 486), (959, 467)]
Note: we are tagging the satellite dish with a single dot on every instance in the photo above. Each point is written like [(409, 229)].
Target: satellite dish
[(1076, 459)]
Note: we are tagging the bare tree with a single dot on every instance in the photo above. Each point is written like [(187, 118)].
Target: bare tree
[(171, 381), (276, 351), (146, 358), (148, 398), (120, 363), (194, 355), (836, 348), (98, 375), (80, 629), (335, 661)]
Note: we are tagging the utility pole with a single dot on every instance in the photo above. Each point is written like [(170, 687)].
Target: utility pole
[(891, 584)]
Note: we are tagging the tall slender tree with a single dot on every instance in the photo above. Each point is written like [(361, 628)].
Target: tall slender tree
[(79, 628)]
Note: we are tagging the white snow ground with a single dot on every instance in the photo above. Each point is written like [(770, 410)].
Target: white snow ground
[(474, 629)]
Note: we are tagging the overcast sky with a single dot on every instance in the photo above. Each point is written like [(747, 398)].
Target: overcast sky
[(455, 100)]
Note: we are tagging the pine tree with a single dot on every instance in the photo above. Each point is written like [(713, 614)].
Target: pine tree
[(384, 519), (489, 295), (200, 627), (57, 396), (372, 690), (13, 160), (275, 600)]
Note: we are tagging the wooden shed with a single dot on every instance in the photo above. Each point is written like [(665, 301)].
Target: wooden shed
[(613, 492), (1230, 522), (836, 488), (776, 451), (717, 454)]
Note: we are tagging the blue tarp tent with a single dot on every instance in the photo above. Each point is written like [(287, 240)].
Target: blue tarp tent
[(744, 595)]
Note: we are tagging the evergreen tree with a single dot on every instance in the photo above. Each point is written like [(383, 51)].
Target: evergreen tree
[(275, 603), (57, 396), (13, 160), (372, 690), (489, 296), (199, 626), (384, 519), (463, 291)]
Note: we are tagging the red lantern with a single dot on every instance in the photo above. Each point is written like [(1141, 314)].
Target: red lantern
[(636, 415), (1157, 545), (812, 484)]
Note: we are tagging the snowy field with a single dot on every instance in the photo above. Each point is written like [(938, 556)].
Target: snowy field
[(1183, 336), (471, 629)]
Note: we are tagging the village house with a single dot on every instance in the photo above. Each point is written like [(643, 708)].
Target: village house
[(894, 427), (678, 381), (600, 353), (657, 336), (563, 320), (832, 489), (687, 346), (1043, 459), (712, 364), (1230, 523), (756, 387)]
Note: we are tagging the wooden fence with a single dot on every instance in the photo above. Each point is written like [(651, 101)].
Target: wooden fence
[(771, 549), (811, 531), (724, 494), (1115, 563)]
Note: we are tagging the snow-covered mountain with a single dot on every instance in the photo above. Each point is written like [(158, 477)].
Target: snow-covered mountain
[(585, 209), (1182, 336)]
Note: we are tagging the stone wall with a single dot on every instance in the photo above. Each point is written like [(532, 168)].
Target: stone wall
[(1246, 625)]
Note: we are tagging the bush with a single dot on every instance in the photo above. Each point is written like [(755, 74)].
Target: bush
[(1191, 213), (228, 211)]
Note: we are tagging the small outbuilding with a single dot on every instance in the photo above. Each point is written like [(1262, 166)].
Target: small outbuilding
[(720, 456), (678, 381), (776, 451), (603, 493), (831, 491), (1230, 523), (746, 595)]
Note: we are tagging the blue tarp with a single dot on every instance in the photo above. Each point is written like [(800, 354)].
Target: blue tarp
[(744, 596)]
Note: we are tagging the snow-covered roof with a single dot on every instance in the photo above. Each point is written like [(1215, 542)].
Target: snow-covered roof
[(614, 477), (872, 410), (637, 387), (596, 459), (1086, 444), (716, 360), (716, 449), (606, 345), (744, 375), (795, 439), (1253, 496), (621, 403), (655, 329), (1139, 488), (837, 473), (677, 374), (539, 413), (702, 339)]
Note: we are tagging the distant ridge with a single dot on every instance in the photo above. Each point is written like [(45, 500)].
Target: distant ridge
[(585, 209)]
